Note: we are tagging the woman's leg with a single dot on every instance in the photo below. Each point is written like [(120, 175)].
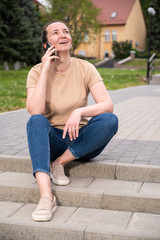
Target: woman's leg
[(92, 139), (38, 133)]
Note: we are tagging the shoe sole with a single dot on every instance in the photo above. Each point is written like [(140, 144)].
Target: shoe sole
[(59, 182), (42, 218)]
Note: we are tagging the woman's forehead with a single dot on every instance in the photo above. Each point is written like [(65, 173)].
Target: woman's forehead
[(56, 26)]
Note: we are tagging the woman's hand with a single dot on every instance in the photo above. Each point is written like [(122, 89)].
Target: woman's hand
[(48, 58), (72, 125)]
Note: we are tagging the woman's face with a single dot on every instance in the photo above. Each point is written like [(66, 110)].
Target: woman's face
[(59, 36)]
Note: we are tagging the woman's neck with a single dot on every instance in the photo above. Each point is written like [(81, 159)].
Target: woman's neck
[(62, 64)]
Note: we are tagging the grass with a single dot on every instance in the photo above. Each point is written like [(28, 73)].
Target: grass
[(142, 62), (12, 89), (122, 78), (13, 84)]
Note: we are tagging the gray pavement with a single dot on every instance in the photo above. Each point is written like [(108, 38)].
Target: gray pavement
[(138, 138)]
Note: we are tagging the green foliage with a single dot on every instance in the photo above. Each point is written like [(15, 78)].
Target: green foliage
[(152, 24), (153, 37), (79, 15), (121, 49), (19, 31), (122, 78), (12, 89)]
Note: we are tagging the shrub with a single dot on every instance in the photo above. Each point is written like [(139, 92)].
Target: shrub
[(121, 49)]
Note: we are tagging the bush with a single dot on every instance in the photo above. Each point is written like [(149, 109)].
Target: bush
[(121, 49)]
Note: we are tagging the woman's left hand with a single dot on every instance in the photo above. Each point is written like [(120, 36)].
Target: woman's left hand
[(72, 125)]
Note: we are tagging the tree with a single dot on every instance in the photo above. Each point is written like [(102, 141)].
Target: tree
[(19, 32), (153, 26), (79, 15)]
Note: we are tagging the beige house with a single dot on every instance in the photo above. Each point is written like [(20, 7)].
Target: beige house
[(120, 20)]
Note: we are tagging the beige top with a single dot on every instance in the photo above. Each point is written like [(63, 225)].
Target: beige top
[(66, 91)]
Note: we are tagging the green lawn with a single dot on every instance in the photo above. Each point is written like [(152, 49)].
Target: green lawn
[(142, 63), (13, 84), (12, 89), (122, 78)]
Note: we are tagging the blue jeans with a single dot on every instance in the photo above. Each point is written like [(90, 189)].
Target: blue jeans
[(46, 143)]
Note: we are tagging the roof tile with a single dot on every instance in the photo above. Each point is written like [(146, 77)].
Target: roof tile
[(121, 7)]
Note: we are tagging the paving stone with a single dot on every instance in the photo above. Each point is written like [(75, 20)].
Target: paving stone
[(94, 218), (60, 216), (108, 186), (145, 225), (141, 163), (16, 178), (9, 208), (151, 189), (127, 159)]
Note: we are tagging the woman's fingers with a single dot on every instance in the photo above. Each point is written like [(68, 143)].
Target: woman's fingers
[(73, 131), (72, 125)]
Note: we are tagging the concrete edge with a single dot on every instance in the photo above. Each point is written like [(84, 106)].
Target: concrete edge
[(119, 171)]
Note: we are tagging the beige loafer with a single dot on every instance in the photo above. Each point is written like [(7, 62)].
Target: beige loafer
[(58, 176), (45, 209)]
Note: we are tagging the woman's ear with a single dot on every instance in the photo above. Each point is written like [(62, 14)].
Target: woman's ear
[(45, 45)]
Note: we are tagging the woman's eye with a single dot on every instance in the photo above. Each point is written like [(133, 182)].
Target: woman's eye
[(55, 32)]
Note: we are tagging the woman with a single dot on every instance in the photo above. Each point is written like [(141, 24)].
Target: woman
[(58, 130)]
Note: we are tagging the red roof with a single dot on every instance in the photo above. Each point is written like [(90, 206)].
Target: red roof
[(36, 2), (120, 8)]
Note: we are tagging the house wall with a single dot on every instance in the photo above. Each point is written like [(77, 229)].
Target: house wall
[(107, 45), (135, 29)]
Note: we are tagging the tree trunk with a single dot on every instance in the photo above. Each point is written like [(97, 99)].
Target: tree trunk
[(5, 66), (17, 65)]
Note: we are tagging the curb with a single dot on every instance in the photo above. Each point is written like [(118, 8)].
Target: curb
[(92, 168)]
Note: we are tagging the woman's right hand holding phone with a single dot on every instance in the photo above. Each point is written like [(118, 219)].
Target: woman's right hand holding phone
[(48, 58)]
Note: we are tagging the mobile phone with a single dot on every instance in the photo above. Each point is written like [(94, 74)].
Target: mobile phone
[(49, 45)]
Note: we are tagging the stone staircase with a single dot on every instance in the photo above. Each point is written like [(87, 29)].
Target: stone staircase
[(104, 201), (155, 80)]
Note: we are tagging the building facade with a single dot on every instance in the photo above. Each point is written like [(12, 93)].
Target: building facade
[(120, 20)]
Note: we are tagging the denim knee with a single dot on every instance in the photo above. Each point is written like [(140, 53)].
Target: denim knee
[(36, 119), (109, 120), (112, 120)]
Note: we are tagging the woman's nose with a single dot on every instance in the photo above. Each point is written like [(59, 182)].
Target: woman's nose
[(62, 34)]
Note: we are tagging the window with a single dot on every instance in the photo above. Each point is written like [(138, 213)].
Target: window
[(82, 53), (86, 37), (107, 36), (114, 35), (106, 54), (113, 14)]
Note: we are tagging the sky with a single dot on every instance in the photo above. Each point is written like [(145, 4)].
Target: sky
[(44, 2)]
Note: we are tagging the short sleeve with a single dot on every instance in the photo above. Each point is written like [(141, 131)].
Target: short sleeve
[(33, 76), (92, 75)]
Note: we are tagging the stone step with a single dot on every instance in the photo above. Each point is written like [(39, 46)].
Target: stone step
[(155, 79), (93, 168), (86, 192), (70, 223)]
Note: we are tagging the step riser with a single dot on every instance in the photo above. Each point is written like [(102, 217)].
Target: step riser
[(85, 200), (155, 82), (19, 232), (91, 169)]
